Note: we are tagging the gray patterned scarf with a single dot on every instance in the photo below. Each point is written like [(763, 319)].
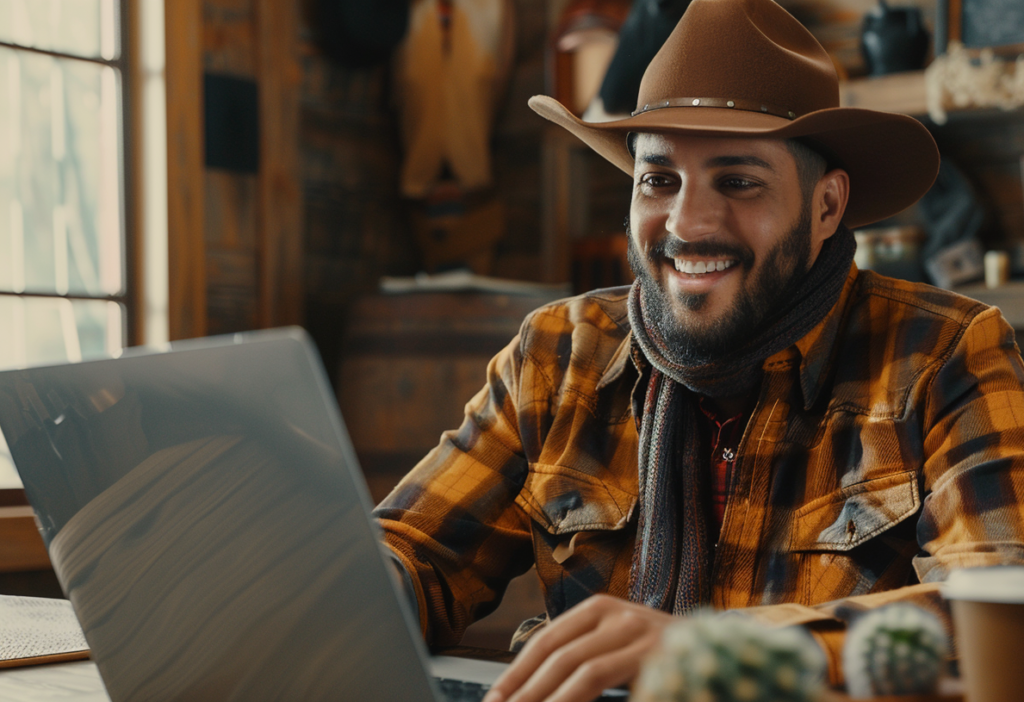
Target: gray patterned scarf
[(671, 567)]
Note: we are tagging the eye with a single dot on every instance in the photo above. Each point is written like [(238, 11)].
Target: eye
[(655, 180), (739, 184)]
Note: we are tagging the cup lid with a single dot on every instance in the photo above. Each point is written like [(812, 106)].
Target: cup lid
[(1003, 584)]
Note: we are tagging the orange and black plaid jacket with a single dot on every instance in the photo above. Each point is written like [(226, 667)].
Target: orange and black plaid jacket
[(886, 448)]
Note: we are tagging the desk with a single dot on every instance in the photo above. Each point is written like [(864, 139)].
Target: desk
[(80, 681)]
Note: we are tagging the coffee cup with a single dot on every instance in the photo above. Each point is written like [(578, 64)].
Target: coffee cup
[(988, 614)]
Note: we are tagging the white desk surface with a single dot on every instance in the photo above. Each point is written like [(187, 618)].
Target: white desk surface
[(78, 680)]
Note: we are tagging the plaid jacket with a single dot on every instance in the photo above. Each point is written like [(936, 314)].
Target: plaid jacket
[(886, 448)]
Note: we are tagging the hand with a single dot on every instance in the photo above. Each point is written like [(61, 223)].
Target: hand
[(598, 644)]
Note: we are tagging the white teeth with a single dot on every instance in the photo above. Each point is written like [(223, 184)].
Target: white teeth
[(702, 266)]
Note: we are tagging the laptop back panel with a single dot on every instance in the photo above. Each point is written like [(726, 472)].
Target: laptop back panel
[(203, 512)]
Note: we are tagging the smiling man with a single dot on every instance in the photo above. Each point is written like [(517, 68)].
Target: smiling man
[(754, 425)]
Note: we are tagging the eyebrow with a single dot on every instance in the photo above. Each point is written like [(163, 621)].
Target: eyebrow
[(657, 160), (725, 161), (715, 162)]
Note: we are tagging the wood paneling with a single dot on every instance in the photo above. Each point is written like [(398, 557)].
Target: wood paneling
[(233, 209), (186, 248), (280, 195)]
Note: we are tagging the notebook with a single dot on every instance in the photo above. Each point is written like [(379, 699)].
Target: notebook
[(37, 631)]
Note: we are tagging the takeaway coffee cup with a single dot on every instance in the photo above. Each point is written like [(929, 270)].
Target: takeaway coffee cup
[(988, 614)]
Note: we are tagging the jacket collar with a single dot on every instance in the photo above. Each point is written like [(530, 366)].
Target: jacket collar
[(618, 364), (817, 349)]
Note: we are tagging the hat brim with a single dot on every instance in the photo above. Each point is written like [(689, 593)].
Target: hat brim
[(892, 159)]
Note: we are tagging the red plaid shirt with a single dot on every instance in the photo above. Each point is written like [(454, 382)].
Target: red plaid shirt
[(724, 437)]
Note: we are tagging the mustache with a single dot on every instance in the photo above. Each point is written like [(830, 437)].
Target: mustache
[(673, 247)]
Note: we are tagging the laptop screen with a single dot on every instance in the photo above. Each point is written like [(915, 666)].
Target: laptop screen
[(203, 511)]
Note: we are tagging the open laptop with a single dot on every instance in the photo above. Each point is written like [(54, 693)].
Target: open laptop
[(205, 514)]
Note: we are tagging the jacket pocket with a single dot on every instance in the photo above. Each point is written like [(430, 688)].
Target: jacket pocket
[(563, 500), (854, 540)]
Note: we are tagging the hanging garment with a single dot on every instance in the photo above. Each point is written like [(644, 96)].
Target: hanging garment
[(357, 33), (448, 77)]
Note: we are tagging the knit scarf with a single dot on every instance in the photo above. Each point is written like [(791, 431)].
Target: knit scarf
[(671, 566)]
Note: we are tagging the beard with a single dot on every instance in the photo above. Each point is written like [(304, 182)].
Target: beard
[(763, 299)]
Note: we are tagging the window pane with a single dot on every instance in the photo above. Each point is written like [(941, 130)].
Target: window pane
[(60, 201), (40, 330), (79, 27)]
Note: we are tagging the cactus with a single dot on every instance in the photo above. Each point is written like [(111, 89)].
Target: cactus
[(708, 658), (896, 650)]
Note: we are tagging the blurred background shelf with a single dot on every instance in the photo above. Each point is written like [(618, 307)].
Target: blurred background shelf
[(898, 92)]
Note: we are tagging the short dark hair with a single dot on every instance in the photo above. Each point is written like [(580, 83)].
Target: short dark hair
[(811, 165)]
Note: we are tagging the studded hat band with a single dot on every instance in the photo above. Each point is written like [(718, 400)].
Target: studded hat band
[(746, 105)]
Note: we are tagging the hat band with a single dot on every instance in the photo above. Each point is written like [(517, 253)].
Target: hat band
[(746, 105)]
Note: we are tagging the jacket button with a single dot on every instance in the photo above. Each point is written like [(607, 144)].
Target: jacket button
[(851, 530)]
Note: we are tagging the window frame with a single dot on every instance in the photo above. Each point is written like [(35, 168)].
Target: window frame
[(123, 64)]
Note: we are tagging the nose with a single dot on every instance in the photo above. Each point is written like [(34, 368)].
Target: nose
[(694, 212)]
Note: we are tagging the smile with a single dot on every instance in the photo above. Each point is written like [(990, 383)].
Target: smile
[(701, 267)]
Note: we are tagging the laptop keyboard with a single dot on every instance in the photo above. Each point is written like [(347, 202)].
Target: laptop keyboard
[(462, 691)]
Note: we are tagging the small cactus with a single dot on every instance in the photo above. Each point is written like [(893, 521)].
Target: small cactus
[(896, 650), (708, 658)]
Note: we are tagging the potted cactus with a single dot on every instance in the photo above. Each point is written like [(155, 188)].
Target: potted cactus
[(731, 658), (896, 650)]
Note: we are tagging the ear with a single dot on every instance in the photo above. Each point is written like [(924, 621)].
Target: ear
[(829, 204)]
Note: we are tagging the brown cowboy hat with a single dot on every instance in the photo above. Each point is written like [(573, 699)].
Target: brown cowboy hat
[(747, 68)]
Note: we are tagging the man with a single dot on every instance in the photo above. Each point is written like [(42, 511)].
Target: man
[(755, 424)]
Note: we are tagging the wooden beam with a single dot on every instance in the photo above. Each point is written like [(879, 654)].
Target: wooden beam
[(185, 241), (131, 82), (279, 225)]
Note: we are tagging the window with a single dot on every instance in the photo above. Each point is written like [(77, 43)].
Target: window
[(64, 291), (62, 242)]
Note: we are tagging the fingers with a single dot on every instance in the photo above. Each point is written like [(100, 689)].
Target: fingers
[(611, 670), (577, 667), (598, 644), (573, 624)]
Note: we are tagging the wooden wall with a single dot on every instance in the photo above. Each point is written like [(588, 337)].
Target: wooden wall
[(342, 210), (357, 227), (298, 242), (252, 222)]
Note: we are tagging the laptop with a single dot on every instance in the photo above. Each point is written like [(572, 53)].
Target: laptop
[(204, 512)]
